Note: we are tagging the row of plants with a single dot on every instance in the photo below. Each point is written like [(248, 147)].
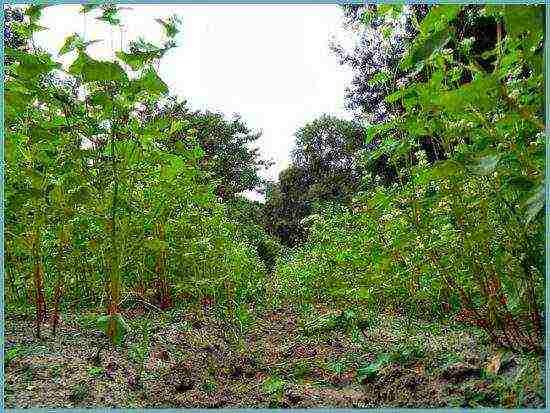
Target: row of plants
[(102, 207), (460, 232)]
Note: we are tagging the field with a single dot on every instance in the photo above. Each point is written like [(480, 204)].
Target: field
[(397, 260), (287, 358)]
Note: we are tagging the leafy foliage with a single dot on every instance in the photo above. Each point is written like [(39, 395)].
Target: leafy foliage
[(324, 170), (431, 208), (460, 233), (228, 155), (98, 207)]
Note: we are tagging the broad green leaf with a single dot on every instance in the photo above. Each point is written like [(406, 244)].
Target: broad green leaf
[(103, 99), (444, 169), (367, 17), (71, 43), (56, 195), (80, 196), (110, 15), (379, 78), (35, 11), (424, 47), (480, 93), (121, 327), (171, 170), (75, 42), (33, 65), (521, 18), (16, 102), (384, 8), (141, 54), (91, 70), (374, 130), (395, 96), (149, 82), (370, 371), (178, 126), (439, 18)]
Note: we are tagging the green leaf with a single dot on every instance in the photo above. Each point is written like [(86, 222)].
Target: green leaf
[(379, 78), (35, 11), (16, 102), (33, 65), (480, 93), (110, 15), (91, 70), (521, 18), (485, 165), (374, 130), (534, 204), (75, 42), (370, 371), (156, 245), (367, 17), (178, 126), (439, 17), (171, 25), (121, 328), (384, 8), (80, 196), (424, 47), (56, 195), (86, 8), (149, 82), (444, 169), (395, 96), (103, 99), (141, 54), (435, 33), (170, 171), (70, 44)]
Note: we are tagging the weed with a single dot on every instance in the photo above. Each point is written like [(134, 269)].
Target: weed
[(209, 386), (244, 318), (301, 369), (274, 388), (79, 392), (408, 353), (87, 321), (96, 371), (12, 354), (337, 367), (140, 352), (56, 370), (371, 370)]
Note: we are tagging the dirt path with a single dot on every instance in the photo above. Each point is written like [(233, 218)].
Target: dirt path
[(282, 360)]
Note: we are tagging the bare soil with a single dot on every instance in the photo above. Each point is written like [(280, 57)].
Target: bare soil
[(283, 359)]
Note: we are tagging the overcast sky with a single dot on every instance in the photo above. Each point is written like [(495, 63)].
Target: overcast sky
[(269, 63)]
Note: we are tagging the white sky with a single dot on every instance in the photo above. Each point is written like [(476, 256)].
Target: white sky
[(269, 63)]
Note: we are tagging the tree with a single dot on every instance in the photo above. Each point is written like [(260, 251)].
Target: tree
[(325, 150), (324, 170), (287, 204), (374, 59), (227, 145)]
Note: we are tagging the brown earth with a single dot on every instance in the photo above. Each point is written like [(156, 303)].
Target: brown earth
[(284, 359)]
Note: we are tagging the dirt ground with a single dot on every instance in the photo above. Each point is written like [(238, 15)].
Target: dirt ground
[(284, 358)]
